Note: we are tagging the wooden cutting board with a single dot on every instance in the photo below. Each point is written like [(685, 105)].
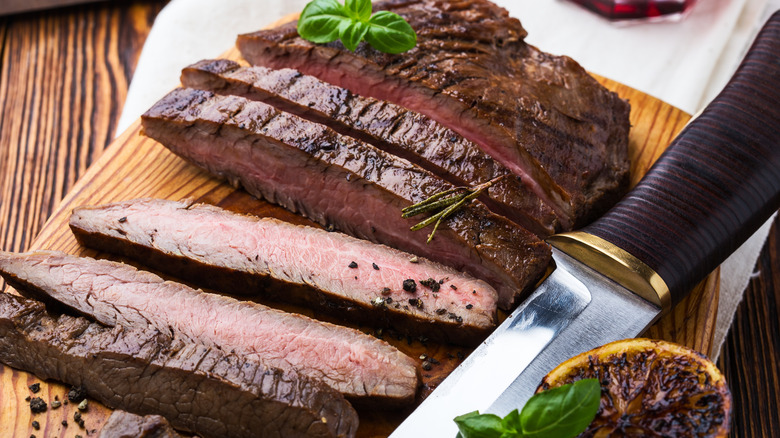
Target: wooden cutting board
[(135, 166)]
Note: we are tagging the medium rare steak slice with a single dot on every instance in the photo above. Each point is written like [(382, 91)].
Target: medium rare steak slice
[(392, 128), (361, 367), (542, 116), (199, 389), (328, 271), (343, 183)]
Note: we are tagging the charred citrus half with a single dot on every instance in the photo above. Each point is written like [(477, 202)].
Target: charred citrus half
[(650, 388)]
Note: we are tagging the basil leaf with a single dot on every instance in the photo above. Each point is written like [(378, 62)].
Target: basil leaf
[(474, 425), (389, 33), (511, 423), (353, 34), (321, 21), (325, 21), (561, 412), (359, 9)]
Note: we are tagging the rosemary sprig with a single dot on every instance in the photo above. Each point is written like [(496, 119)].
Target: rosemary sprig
[(445, 203)]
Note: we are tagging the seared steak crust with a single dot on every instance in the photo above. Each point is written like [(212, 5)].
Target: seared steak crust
[(392, 128), (540, 115), (327, 271), (123, 424), (343, 183), (361, 367), (198, 389)]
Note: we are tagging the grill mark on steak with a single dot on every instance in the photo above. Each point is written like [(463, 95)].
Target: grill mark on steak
[(394, 129), (333, 179), (291, 263), (198, 389), (541, 115), (363, 368)]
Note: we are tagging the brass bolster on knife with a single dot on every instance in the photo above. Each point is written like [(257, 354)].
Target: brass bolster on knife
[(616, 264)]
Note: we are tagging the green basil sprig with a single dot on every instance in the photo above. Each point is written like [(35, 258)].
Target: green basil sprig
[(324, 21), (562, 412)]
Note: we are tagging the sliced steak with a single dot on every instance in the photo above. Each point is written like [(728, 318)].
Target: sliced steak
[(361, 367), (392, 128), (327, 271), (199, 389), (343, 183), (541, 116), (123, 424)]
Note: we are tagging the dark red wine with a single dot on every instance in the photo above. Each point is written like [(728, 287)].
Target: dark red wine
[(633, 9)]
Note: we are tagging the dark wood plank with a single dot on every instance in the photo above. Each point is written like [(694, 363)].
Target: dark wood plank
[(64, 76), (751, 353)]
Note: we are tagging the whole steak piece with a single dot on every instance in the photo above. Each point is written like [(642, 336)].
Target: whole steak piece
[(541, 116), (199, 389)]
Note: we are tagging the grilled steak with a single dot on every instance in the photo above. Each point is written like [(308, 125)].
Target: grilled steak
[(541, 116), (199, 389), (123, 424), (359, 366), (389, 127), (341, 182), (328, 271)]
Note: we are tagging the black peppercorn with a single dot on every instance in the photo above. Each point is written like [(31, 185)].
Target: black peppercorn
[(37, 405), (77, 394), (431, 284)]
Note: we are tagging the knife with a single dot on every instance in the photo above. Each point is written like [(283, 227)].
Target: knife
[(711, 189)]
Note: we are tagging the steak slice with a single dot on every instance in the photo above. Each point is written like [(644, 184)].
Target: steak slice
[(123, 424), (542, 116), (392, 128), (327, 271), (199, 389), (358, 365), (341, 182)]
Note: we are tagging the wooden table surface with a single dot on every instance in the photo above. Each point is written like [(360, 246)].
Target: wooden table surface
[(63, 80)]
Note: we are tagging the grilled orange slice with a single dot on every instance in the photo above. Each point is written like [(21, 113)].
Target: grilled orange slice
[(650, 388)]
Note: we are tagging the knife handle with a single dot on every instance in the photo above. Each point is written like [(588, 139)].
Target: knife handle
[(715, 184)]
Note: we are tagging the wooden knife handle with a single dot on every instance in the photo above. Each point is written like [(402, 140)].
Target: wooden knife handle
[(717, 182)]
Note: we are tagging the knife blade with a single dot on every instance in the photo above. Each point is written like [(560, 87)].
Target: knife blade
[(554, 323), (709, 191)]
